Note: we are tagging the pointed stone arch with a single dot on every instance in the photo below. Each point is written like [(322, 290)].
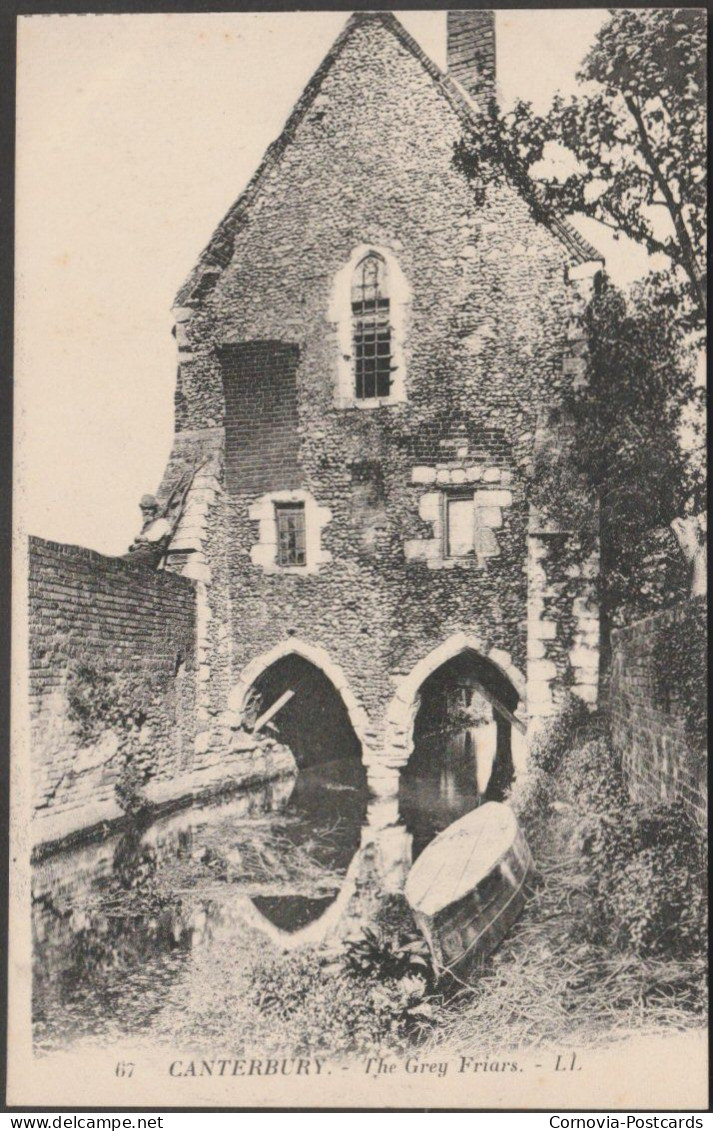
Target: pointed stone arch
[(315, 655), (403, 707)]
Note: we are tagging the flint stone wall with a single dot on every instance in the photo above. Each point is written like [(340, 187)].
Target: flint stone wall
[(487, 344)]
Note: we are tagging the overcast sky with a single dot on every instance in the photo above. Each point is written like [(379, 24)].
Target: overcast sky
[(135, 135)]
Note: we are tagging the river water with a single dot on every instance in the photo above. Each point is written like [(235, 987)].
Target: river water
[(115, 922)]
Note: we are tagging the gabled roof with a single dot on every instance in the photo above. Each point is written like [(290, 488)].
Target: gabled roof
[(218, 252)]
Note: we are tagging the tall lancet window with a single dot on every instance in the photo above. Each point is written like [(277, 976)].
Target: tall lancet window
[(371, 328)]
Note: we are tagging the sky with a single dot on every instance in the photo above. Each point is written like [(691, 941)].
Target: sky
[(135, 135)]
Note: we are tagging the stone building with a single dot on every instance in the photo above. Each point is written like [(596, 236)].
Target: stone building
[(368, 350)]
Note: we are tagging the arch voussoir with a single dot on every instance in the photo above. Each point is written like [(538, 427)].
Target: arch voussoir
[(403, 706), (315, 655)]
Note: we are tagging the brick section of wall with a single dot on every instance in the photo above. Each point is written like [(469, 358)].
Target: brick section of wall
[(121, 620), (261, 442), (648, 722), (471, 50)]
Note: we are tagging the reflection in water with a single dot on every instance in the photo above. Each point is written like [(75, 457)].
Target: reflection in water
[(115, 922), (450, 774), (291, 912)]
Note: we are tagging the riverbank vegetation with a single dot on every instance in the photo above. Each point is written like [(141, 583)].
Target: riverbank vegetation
[(612, 940)]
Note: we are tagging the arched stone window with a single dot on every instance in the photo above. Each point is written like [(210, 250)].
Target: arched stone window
[(371, 328), (368, 309)]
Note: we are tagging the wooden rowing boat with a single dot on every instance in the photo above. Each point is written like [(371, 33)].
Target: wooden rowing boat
[(467, 887)]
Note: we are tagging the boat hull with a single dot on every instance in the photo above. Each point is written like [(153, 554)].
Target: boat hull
[(462, 933)]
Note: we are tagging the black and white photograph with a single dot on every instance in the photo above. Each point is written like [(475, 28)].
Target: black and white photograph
[(359, 733)]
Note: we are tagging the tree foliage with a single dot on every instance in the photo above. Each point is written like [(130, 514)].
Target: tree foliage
[(622, 470), (637, 134)]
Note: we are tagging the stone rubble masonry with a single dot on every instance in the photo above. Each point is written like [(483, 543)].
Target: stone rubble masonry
[(487, 312), (124, 620), (649, 736), (490, 331)]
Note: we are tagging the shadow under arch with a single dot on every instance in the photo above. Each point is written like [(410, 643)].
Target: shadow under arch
[(318, 658), (499, 675)]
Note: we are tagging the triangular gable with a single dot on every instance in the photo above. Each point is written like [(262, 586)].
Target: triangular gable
[(219, 250)]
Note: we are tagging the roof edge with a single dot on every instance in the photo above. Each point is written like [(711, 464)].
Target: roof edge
[(213, 252), (218, 251), (580, 248)]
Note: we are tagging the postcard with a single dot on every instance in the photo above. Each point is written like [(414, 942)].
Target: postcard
[(359, 654)]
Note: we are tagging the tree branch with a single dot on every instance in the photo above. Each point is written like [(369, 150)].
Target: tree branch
[(688, 255)]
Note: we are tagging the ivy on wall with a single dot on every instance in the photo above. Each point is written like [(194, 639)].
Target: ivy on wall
[(679, 662), (133, 706)]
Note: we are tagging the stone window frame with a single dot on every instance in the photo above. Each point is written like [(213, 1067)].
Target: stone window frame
[(340, 315), (459, 494), (490, 497), (264, 552)]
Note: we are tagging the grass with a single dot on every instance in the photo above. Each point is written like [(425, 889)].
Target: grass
[(545, 984), (566, 971)]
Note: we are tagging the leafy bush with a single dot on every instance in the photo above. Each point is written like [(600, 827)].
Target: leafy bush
[(384, 956), (643, 888), (590, 778), (657, 905), (560, 734), (316, 1005), (531, 801)]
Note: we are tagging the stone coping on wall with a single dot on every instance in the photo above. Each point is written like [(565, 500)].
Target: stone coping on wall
[(57, 832), (107, 563)]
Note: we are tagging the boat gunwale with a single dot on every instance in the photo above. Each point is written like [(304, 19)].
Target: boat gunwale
[(515, 892), (432, 915)]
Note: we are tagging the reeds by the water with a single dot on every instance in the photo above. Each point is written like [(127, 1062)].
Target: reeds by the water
[(542, 986)]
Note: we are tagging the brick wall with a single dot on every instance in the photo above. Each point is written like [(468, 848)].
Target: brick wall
[(259, 380), (124, 623), (657, 703)]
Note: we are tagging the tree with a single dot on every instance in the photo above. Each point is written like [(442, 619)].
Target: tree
[(622, 471), (635, 135), (640, 135), (637, 131)]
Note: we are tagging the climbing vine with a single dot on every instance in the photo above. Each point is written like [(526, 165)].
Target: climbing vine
[(679, 660), (130, 705)]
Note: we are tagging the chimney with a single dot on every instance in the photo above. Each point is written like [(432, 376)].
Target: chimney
[(471, 51)]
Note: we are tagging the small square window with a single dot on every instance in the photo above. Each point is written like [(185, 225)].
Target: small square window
[(290, 521), (459, 527)]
